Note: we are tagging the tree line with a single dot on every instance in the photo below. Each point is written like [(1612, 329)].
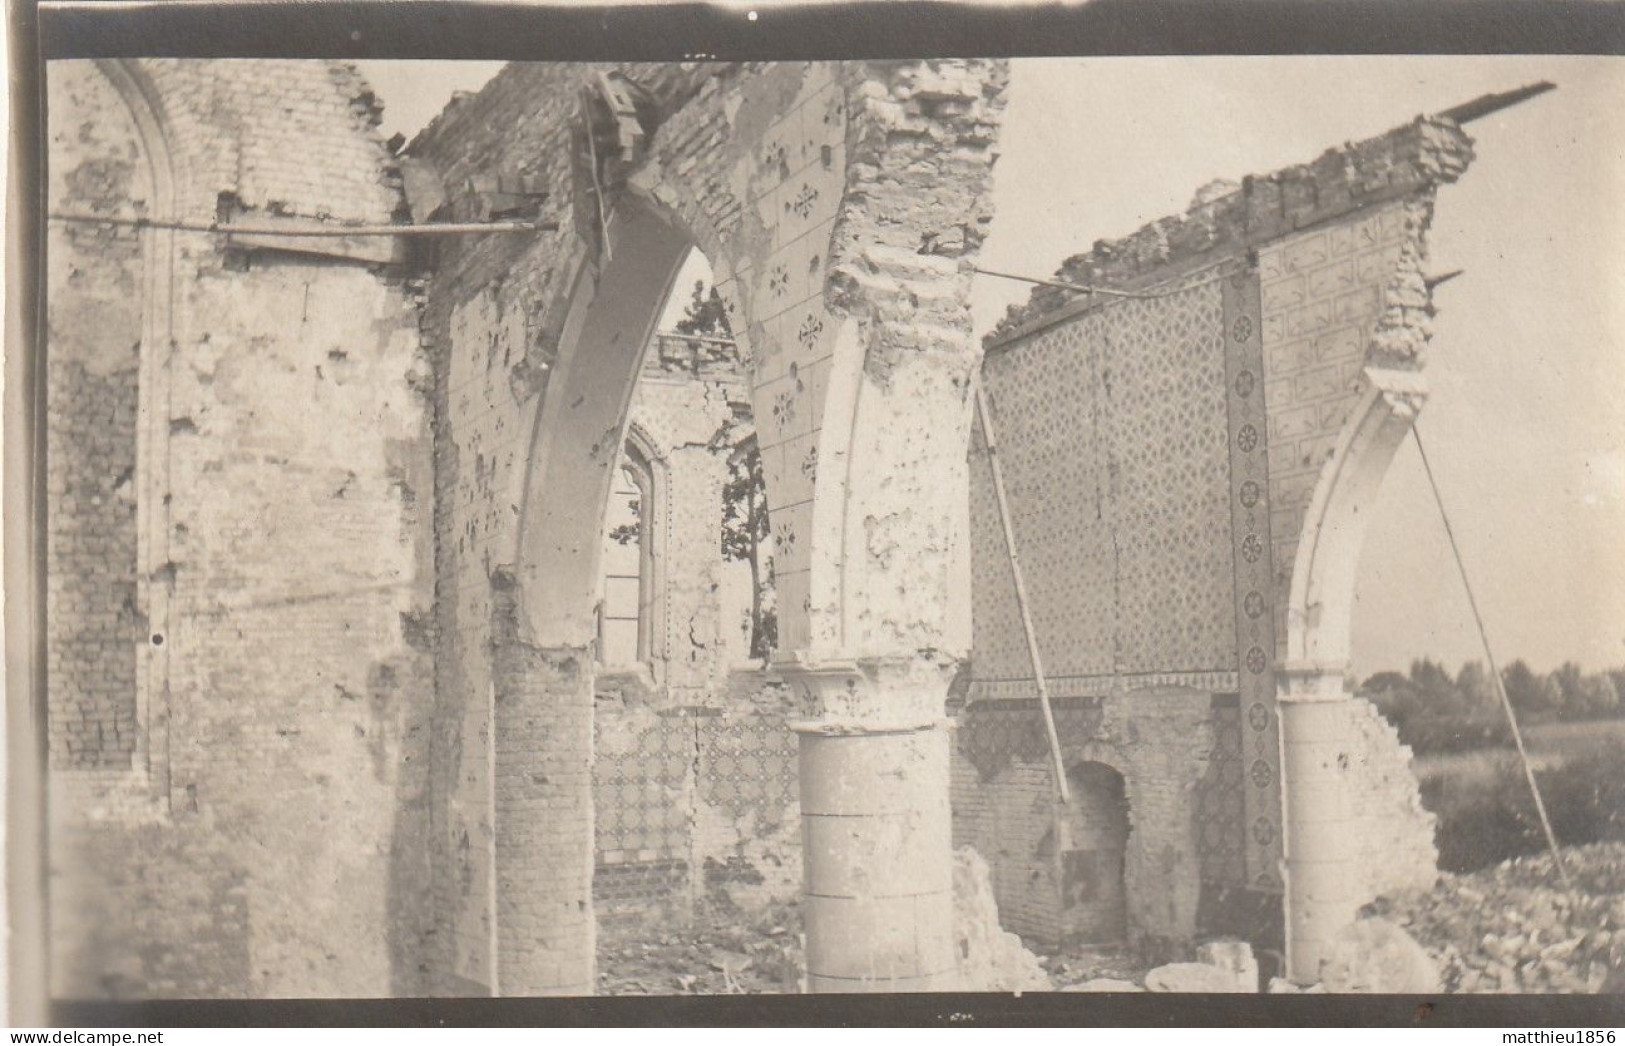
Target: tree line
[(1436, 712)]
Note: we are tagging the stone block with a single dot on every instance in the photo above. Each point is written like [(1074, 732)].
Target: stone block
[(1377, 956)]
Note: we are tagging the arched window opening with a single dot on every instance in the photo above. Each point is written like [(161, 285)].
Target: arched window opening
[(625, 617)]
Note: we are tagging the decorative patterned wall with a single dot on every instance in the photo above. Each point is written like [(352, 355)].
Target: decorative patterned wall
[(795, 186), (1132, 438), (1112, 436), (1255, 593), (659, 780), (1322, 295)]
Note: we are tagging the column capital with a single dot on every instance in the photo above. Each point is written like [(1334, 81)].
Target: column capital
[(1305, 681), (867, 695)]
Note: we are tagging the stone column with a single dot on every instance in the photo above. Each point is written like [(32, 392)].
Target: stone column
[(876, 839), (1323, 871)]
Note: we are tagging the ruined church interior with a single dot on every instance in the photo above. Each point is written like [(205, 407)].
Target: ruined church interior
[(589, 548)]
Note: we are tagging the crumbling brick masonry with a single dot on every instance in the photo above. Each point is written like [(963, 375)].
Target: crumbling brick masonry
[(1187, 470)]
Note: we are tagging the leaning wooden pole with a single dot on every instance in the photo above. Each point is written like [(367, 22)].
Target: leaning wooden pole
[(984, 412), (1495, 672)]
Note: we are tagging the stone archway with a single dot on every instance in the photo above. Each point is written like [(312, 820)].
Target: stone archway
[(544, 621), (839, 204), (1321, 600), (1322, 722)]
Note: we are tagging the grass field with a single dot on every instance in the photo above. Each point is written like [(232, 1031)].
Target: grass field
[(1551, 746), (1485, 813)]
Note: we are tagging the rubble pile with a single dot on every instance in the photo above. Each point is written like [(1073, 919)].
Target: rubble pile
[(991, 959), (1377, 955), (1514, 928), (1092, 968), (720, 953)]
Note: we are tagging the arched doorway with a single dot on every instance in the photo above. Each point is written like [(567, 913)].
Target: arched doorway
[(1094, 830)]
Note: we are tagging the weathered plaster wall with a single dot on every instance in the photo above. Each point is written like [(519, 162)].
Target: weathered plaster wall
[(280, 477), (494, 318), (812, 189)]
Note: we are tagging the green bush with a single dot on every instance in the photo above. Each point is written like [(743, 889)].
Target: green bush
[(1481, 825)]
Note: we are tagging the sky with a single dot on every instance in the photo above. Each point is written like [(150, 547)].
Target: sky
[(1526, 423)]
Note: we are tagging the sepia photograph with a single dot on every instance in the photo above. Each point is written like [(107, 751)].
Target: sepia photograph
[(1086, 526)]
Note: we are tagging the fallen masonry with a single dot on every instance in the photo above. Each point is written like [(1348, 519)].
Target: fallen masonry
[(423, 595), (728, 951), (1512, 928)]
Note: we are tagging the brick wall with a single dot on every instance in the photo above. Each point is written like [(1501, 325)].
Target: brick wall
[(495, 315), (1004, 805), (94, 621), (1339, 251), (283, 136), (492, 321), (272, 537), (1393, 830)]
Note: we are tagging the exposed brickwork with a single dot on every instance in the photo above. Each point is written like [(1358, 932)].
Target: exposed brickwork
[(1004, 806), (492, 321), (1339, 250), (673, 821), (243, 609), (752, 163), (1410, 159), (281, 507), (282, 136), (94, 619), (493, 318), (167, 917), (683, 410), (812, 186)]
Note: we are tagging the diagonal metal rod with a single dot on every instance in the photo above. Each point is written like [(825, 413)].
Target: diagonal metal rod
[(1495, 672), (984, 411), (301, 229), (1078, 287)]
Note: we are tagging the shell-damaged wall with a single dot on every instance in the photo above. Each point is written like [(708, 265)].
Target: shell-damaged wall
[(494, 319), (1166, 459), (839, 204), (238, 550)]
